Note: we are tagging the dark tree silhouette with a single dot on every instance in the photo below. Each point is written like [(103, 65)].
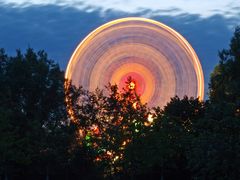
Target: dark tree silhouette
[(215, 147), (50, 129), (35, 134), (225, 79), (108, 123), (161, 153)]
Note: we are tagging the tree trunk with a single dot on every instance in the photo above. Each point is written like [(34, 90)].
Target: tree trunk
[(5, 177), (47, 175)]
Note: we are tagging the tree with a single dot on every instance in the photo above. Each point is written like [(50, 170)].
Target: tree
[(107, 123), (33, 119), (225, 80), (162, 152), (214, 151), (215, 146)]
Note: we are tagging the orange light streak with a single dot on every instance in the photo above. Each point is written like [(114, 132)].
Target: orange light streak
[(115, 71)]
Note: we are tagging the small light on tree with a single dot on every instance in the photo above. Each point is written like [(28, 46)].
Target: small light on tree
[(150, 118), (132, 85)]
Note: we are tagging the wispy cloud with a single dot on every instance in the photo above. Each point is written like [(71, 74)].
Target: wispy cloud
[(203, 8)]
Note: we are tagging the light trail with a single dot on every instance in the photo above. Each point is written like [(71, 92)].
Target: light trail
[(163, 62)]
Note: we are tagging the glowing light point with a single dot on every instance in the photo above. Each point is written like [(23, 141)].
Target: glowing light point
[(135, 105), (97, 159), (109, 153), (88, 137), (116, 158), (95, 129), (150, 118), (131, 85)]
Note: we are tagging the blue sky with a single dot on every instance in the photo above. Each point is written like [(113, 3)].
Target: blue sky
[(57, 26)]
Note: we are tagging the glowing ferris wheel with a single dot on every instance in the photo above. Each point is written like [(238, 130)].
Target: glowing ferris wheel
[(161, 62)]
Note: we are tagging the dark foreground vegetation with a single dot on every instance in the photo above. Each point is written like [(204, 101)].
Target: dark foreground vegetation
[(47, 133)]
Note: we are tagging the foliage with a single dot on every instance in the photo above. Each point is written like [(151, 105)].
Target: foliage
[(35, 135), (225, 79), (165, 146), (51, 129), (214, 151), (215, 147), (107, 123)]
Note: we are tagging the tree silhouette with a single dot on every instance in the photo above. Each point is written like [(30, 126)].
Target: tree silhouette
[(161, 153), (215, 147), (34, 131), (225, 79), (50, 129), (108, 123)]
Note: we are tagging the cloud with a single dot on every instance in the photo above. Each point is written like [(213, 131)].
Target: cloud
[(57, 26), (203, 8)]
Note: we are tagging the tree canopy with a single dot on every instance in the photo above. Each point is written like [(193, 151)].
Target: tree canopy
[(35, 133), (50, 129)]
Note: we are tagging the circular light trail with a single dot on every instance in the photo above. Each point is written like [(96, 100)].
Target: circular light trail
[(160, 61)]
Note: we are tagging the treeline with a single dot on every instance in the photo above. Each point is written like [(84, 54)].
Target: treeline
[(50, 129)]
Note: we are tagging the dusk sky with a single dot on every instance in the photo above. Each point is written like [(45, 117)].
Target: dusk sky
[(57, 26)]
